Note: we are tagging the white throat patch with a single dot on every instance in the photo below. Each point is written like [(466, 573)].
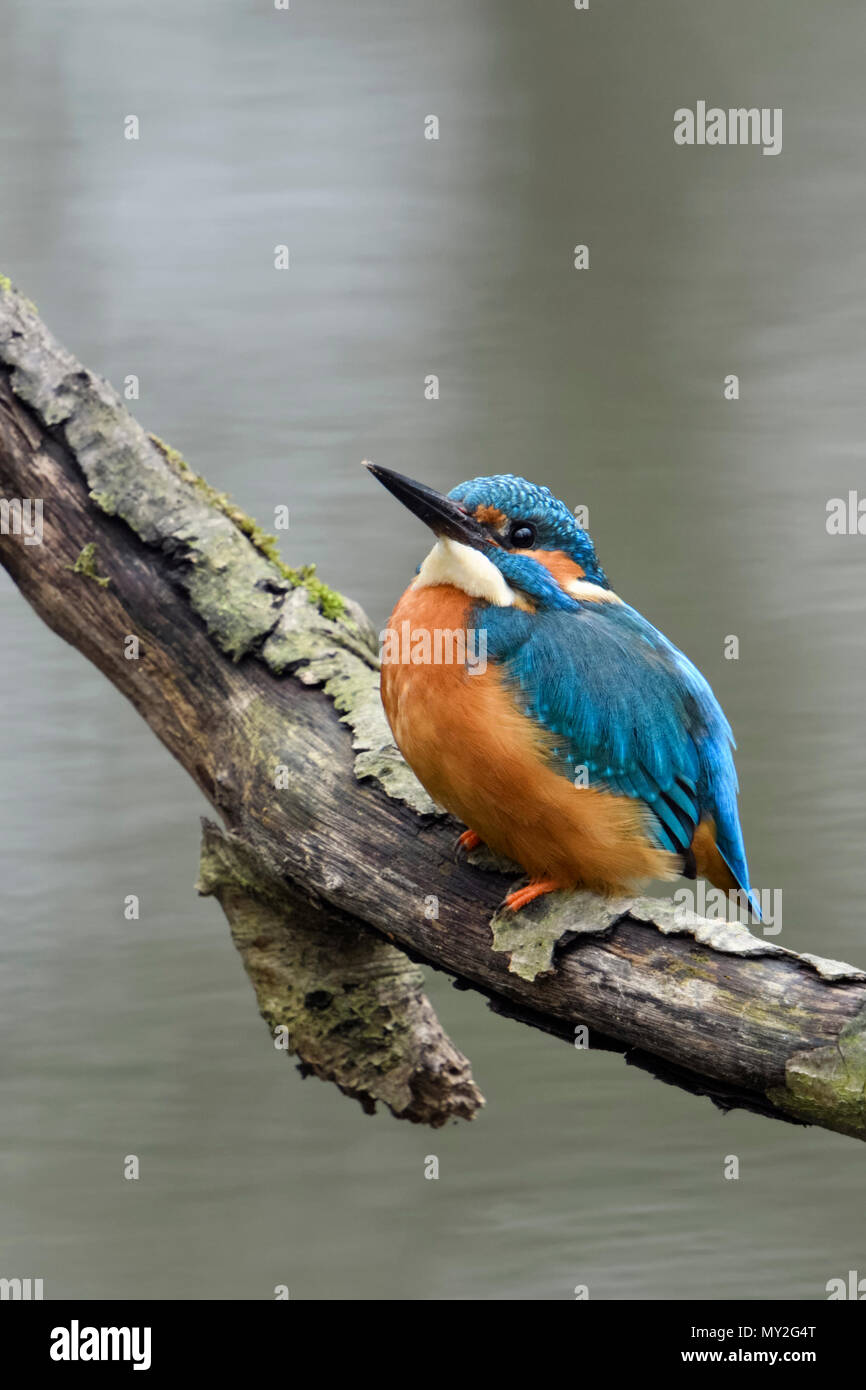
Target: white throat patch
[(450, 562)]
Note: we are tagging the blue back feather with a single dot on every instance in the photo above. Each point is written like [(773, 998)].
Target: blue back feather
[(622, 701)]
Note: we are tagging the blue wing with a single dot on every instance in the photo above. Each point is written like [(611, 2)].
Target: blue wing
[(626, 704)]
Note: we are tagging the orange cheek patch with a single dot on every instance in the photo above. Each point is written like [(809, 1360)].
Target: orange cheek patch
[(560, 565), (489, 516)]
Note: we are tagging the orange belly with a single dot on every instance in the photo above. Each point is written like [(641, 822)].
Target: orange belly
[(489, 765)]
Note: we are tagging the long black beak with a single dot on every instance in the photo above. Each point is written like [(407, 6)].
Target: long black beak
[(444, 517)]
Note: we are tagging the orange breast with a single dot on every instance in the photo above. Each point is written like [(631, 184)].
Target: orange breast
[(487, 763)]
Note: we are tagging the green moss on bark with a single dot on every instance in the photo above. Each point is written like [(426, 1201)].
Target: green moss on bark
[(328, 601), (86, 565), (6, 287), (827, 1085)]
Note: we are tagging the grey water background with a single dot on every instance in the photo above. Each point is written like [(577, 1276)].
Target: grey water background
[(411, 257)]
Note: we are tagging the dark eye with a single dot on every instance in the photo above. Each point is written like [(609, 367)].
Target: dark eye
[(522, 536)]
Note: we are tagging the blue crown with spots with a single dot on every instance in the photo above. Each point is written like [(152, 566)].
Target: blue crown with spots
[(522, 501)]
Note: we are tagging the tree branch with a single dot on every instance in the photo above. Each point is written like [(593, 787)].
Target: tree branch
[(264, 686)]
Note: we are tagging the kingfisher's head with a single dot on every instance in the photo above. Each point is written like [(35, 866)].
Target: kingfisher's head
[(504, 540)]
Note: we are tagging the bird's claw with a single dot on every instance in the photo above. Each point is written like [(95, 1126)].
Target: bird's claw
[(519, 897), (466, 843)]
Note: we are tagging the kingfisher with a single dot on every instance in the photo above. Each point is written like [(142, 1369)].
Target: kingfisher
[(585, 747)]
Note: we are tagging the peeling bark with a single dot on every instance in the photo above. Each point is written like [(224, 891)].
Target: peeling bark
[(247, 666), (333, 994)]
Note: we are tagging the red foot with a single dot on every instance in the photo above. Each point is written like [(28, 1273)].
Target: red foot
[(521, 896), (468, 841)]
